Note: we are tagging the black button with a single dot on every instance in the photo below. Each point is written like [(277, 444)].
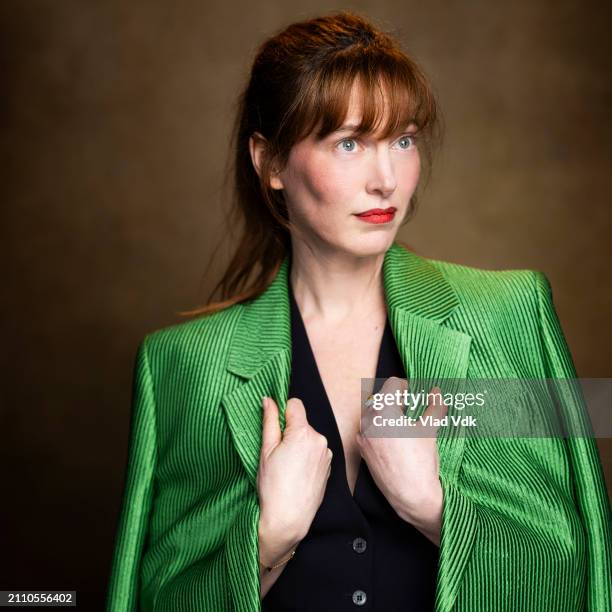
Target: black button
[(359, 598), (359, 545)]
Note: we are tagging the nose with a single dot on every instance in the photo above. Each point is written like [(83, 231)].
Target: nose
[(382, 174)]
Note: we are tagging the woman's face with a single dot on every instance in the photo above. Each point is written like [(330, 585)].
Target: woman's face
[(328, 183)]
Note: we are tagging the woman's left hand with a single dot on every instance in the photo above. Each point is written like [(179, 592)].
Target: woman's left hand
[(406, 469)]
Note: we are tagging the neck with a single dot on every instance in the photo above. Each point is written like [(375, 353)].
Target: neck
[(334, 287)]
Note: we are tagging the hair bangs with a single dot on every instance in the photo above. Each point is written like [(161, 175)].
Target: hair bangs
[(388, 92)]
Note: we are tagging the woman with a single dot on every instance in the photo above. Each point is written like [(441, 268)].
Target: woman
[(249, 486)]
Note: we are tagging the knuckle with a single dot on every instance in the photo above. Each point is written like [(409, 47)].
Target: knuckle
[(302, 432), (321, 440), (394, 382)]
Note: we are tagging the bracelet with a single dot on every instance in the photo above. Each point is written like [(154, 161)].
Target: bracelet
[(271, 567)]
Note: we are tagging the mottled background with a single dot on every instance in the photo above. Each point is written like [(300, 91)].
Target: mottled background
[(115, 119)]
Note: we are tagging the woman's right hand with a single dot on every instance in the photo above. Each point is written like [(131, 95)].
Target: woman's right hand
[(294, 466)]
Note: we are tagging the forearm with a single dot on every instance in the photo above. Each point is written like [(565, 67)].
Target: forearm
[(425, 515), (273, 550), (268, 578)]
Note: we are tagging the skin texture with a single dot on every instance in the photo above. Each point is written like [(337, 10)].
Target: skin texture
[(336, 278)]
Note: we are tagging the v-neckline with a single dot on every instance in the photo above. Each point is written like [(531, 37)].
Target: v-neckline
[(336, 432)]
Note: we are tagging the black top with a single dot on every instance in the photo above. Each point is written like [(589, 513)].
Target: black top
[(358, 553)]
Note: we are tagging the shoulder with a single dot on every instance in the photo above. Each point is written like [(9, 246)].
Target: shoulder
[(203, 341), (504, 312), (510, 302), (495, 288)]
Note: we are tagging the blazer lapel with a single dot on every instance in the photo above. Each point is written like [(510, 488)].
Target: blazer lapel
[(419, 300), (260, 354)]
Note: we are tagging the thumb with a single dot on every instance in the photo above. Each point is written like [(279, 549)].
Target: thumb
[(271, 433), (295, 414)]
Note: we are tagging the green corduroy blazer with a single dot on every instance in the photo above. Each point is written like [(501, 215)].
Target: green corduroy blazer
[(526, 524)]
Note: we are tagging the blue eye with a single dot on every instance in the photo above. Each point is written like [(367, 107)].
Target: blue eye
[(347, 141), (349, 144), (405, 138)]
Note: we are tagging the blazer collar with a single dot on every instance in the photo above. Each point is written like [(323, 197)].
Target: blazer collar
[(412, 285)]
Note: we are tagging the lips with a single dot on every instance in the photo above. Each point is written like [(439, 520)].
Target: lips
[(377, 216), (377, 211)]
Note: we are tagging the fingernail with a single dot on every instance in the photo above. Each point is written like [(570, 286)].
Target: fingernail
[(264, 401)]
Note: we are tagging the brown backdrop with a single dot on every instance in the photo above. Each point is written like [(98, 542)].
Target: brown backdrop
[(115, 120)]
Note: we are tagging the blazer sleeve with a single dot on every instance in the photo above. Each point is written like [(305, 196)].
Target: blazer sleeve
[(588, 477), (207, 583), (123, 588), (467, 517)]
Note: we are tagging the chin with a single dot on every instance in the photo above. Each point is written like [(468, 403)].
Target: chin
[(370, 244)]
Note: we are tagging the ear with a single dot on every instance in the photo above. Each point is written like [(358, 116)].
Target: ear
[(257, 147)]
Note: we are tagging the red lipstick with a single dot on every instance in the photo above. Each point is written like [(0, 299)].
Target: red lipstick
[(377, 215)]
